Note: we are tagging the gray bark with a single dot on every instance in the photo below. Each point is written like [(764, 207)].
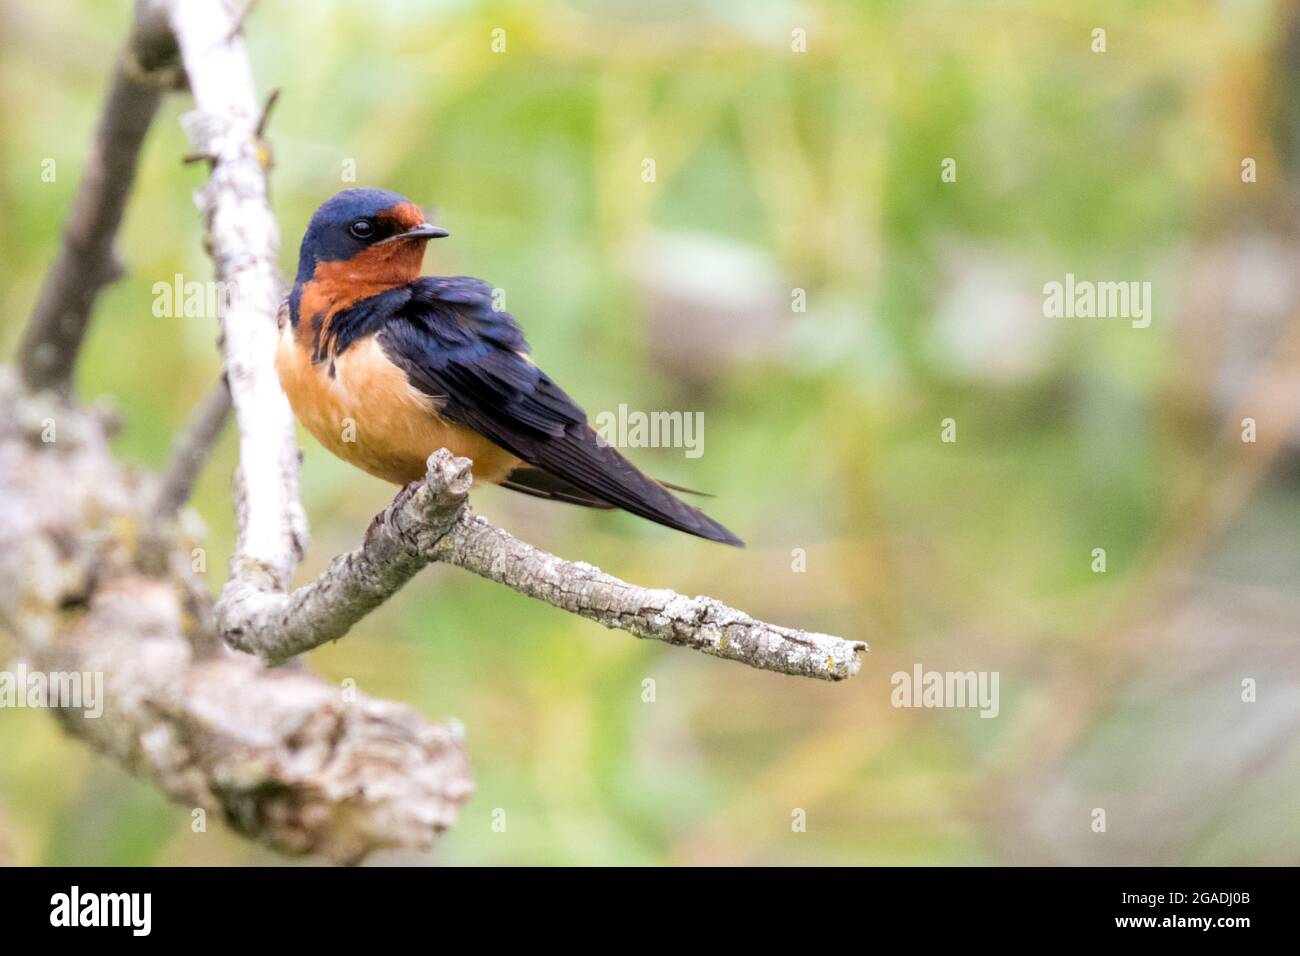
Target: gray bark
[(430, 520), (283, 757)]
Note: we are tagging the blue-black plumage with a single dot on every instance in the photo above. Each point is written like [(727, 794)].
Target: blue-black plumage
[(384, 366)]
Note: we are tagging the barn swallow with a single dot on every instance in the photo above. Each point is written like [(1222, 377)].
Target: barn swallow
[(384, 366)]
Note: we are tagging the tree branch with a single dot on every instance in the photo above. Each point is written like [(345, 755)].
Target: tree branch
[(192, 448), (86, 263), (398, 543), (243, 240), (283, 757), (657, 614), (430, 521)]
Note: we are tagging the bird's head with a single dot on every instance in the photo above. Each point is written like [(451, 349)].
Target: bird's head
[(371, 234)]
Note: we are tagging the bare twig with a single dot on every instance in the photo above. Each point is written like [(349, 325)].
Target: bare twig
[(700, 623), (429, 520), (86, 262), (238, 25), (192, 448), (278, 625), (272, 98)]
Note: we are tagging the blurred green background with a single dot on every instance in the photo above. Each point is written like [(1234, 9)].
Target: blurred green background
[(779, 170)]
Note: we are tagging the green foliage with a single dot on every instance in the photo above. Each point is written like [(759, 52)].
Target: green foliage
[(822, 428)]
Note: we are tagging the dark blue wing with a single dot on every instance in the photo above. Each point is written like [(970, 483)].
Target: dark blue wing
[(443, 332)]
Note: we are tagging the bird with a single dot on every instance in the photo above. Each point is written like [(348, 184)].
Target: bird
[(384, 366)]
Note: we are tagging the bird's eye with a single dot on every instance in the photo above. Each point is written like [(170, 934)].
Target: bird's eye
[(362, 229)]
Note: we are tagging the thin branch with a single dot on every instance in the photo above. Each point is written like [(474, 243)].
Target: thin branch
[(272, 98), (238, 26), (243, 240), (207, 421), (657, 614), (398, 543), (430, 521), (86, 262)]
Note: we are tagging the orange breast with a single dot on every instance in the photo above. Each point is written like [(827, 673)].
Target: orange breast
[(369, 415)]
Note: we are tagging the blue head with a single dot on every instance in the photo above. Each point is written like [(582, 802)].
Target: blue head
[(386, 225)]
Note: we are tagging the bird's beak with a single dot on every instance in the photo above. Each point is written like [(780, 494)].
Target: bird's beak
[(423, 231)]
